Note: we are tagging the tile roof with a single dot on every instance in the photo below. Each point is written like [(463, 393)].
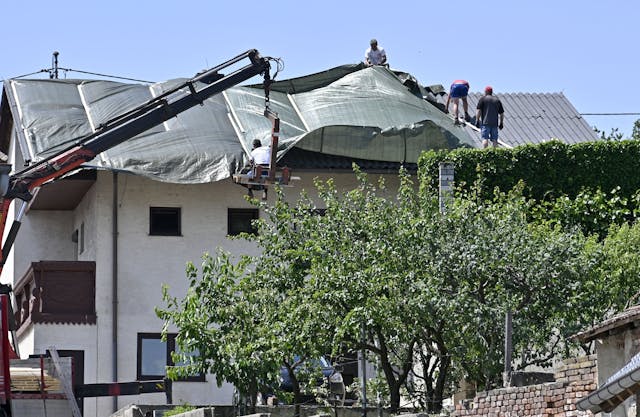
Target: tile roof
[(630, 318)]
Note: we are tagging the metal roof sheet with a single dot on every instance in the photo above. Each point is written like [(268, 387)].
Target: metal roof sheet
[(532, 118)]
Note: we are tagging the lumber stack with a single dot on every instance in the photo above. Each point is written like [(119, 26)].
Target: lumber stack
[(30, 379)]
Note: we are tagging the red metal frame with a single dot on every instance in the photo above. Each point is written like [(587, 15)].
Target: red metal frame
[(5, 377)]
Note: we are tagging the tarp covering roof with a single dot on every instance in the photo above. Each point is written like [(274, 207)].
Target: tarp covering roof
[(350, 111)]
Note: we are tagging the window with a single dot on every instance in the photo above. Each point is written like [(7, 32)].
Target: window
[(154, 355), (165, 221), (239, 220)]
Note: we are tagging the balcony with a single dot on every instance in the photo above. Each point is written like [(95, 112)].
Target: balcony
[(56, 292)]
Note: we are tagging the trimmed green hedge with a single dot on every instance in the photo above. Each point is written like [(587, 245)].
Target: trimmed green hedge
[(549, 170)]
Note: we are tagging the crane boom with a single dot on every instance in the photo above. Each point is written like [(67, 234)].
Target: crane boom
[(194, 91)]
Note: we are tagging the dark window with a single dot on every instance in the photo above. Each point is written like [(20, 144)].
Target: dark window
[(239, 220), (165, 221), (154, 355)]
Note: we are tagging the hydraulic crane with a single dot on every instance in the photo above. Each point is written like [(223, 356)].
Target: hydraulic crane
[(21, 185), (24, 184)]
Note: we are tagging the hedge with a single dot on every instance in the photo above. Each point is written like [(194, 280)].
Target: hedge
[(549, 170)]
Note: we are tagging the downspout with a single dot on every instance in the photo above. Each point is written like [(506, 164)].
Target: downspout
[(114, 283)]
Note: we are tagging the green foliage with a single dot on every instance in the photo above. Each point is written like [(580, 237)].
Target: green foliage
[(179, 409), (621, 267), (386, 272), (220, 326), (590, 185), (635, 133), (614, 134), (548, 170), (593, 211)]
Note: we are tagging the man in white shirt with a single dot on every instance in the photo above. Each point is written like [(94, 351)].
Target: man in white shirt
[(260, 155), (375, 55)]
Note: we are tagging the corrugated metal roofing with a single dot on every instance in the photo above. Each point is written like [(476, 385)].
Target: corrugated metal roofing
[(532, 118), (620, 386)]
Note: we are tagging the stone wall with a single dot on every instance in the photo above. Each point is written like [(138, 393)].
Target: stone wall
[(574, 380)]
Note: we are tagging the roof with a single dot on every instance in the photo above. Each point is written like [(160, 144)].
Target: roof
[(532, 118), (349, 111), (630, 318), (626, 381), (373, 116)]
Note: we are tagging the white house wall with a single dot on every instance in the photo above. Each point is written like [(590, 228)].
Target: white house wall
[(45, 235), (71, 337), (144, 262)]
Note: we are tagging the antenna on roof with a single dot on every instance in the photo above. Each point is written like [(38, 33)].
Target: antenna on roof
[(55, 69), (53, 73)]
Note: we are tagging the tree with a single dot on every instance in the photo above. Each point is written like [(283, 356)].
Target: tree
[(424, 293), (243, 320), (220, 326), (498, 261), (621, 267), (404, 281), (635, 133), (615, 133)]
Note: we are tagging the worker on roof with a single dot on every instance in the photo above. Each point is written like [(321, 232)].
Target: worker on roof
[(490, 117), (375, 55), (459, 91)]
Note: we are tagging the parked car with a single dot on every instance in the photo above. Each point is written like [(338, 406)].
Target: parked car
[(331, 376)]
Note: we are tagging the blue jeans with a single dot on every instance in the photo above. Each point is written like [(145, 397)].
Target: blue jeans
[(489, 132)]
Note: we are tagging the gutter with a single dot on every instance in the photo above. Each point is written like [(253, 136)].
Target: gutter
[(614, 392), (114, 283)]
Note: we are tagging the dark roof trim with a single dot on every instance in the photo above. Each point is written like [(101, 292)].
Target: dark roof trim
[(299, 159), (628, 319)]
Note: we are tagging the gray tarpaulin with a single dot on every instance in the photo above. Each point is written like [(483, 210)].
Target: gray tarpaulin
[(349, 111)]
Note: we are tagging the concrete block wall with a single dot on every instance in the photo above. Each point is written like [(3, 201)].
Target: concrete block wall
[(574, 380)]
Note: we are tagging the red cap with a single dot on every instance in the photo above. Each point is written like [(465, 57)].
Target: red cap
[(488, 89)]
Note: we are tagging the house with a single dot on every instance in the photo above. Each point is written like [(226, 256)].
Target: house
[(96, 246), (617, 341)]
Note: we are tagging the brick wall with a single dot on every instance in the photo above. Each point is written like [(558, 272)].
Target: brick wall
[(574, 380)]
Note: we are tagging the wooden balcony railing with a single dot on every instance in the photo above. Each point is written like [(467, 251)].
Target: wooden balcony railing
[(56, 292)]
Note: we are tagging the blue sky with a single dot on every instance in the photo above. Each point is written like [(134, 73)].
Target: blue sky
[(587, 50)]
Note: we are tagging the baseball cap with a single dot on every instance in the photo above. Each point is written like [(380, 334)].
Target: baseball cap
[(373, 41), (488, 89)]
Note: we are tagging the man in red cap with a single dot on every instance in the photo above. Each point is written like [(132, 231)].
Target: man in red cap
[(489, 117)]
